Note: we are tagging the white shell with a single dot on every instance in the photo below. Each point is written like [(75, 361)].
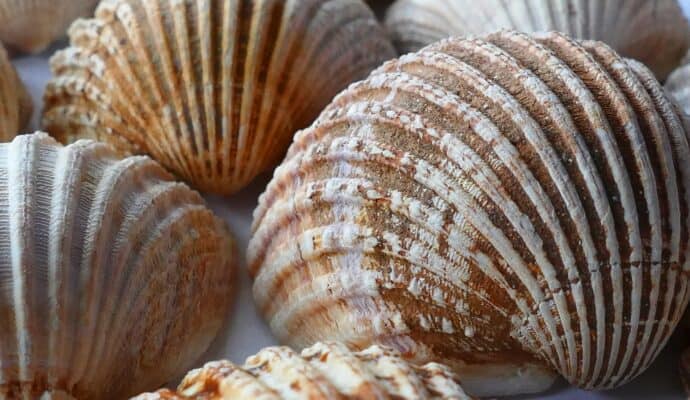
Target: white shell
[(509, 206), (113, 277), (678, 85), (323, 371), (15, 102), (654, 32)]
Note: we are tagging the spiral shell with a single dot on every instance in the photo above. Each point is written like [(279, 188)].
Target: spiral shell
[(212, 89), (31, 25), (323, 371), (15, 102), (113, 277), (654, 32), (508, 206)]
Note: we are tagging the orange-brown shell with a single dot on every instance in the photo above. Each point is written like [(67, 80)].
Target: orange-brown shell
[(15, 102)]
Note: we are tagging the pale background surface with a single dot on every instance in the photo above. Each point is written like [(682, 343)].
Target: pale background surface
[(246, 332)]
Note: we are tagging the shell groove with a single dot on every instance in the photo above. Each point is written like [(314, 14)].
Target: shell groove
[(113, 277), (212, 89), (31, 25), (509, 206), (322, 371), (653, 32), (15, 102)]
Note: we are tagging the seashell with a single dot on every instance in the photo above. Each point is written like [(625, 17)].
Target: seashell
[(678, 85), (113, 277), (31, 25), (653, 32), (323, 371), (15, 101), (512, 206), (214, 90)]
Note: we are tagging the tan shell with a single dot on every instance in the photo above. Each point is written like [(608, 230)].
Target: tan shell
[(113, 277), (212, 89), (508, 206), (31, 25), (323, 371), (654, 32), (15, 102)]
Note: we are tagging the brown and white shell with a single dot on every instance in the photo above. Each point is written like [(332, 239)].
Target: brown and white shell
[(113, 277), (213, 89), (32, 25), (654, 32), (15, 102), (322, 371), (509, 206)]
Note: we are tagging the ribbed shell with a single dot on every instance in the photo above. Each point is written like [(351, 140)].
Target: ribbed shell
[(507, 206), (678, 85), (213, 89), (323, 371), (31, 25), (15, 102), (113, 277), (654, 32)]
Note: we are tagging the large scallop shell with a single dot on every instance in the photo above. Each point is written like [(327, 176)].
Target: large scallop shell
[(113, 277), (509, 206), (323, 371), (212, 89), (15, 101), (654, 32), (31, 25)]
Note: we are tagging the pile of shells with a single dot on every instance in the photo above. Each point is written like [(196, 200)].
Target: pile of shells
[(513, 206), (113, 277), (214, 90), (653, 32), (323, 371), (15, 102)]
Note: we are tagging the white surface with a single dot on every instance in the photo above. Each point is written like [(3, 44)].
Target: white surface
[(246, 332)]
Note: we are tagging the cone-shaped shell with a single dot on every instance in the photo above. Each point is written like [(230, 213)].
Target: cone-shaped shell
[(323, 371), (31, 25), (113, 277), (508, 206), (15, 102), (654, 32), (212, 89)]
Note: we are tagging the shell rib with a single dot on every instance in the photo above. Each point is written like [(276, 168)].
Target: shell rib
[(15, 102), (113, 277), (508, 206), (323, 371), (213, 89), (653, 32), (31, 25)]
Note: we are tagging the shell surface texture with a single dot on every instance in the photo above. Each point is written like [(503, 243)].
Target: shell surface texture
[(212, 89), (323, 371), (654, 32), (511, 206), (31, 25), (15, 101), (113, 277)]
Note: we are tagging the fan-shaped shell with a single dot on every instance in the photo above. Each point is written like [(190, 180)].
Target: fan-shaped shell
[(212, 89), (15, 102), (653, 32), (323, 371), (508, 206), (113, 277), (31, 25)]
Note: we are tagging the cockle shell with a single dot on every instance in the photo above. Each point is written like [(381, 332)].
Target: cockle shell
[(654, 32), (113, 277), (508, 206), (323, 371), (31, 25), (212, 89), (15, 102)]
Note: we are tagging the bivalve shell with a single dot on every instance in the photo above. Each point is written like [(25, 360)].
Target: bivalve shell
[(212, 89), (323, 371), (113, 277), (653, 32), (509, 206), (15, 102)]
